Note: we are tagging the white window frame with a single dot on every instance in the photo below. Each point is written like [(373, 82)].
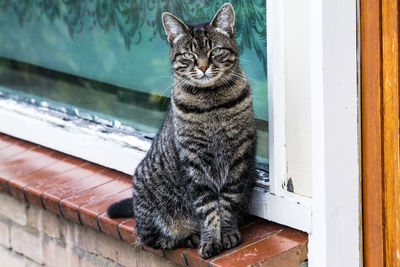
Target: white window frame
[(278, 204), (331, 216), (336, 236)]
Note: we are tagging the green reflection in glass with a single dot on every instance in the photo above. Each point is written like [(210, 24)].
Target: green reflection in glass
[(122, 42), (110, 58)]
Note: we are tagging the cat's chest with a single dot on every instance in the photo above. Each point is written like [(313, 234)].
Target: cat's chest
[(212, 132), (216, 130), (215, 127), (213, 121), (207, 140)]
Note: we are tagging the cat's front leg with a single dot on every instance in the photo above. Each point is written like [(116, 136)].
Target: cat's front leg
[(230, 235), (207, 208), (219, 222)]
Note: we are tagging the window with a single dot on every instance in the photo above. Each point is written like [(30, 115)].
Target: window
[(105, 65), (107, 61), (78, 69)]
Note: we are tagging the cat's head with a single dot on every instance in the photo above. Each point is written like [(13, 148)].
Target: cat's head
[(203, 55)]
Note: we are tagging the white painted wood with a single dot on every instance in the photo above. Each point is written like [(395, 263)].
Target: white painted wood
[(317, 246), (122, 153), (298, 100), (335, 235), (276, 95), (279, 205), (291, 209)]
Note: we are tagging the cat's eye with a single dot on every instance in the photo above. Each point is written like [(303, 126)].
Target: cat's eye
[(216, 51), (188, 55)]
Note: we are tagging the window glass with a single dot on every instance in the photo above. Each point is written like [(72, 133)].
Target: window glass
[(109, 60)]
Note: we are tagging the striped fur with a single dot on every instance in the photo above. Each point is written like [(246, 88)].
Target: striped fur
[(196, 179)]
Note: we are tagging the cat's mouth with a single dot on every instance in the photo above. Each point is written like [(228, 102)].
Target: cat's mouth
[(203, 76), (205, 80)]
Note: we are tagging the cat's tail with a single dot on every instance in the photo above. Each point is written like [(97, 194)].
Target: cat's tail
[(121, 209)]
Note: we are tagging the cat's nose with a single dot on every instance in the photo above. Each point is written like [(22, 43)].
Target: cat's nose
[(203, 68)]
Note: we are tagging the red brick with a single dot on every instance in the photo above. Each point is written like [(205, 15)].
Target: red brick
[(31, 169), (88, 213), (71, 205), (70, 170), (250, 233), (127, 232), (264, 249), (52, 197), (110, 226)]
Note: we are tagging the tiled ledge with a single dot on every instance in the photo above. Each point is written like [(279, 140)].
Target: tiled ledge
[(81, 191)]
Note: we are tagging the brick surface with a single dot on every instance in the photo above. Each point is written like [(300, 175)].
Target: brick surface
[(88, 213), (9, 158), (58, 254), (71, 205), (5, 234), (82, 191), (28, 242), (30, 263), (27, 162), (13, 209), (53, 196), (250, 233), (92, 260), (10, 258), (266, 250), (86, 238), (147, 259), (42, 168), (44, 221), (118, 251), (290, 258), (110, 226), (56, 175), (176, 255), (127, 232), (98, 243), (6, 141), (79, 236), (15, 149)]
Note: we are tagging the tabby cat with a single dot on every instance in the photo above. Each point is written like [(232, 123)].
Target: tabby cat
[(196, 179)]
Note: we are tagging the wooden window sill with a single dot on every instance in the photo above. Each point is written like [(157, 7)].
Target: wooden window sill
[(81, 191)]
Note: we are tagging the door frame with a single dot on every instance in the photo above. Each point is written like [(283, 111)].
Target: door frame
[(380, 131)]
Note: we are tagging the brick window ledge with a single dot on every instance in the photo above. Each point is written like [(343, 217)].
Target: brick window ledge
[(81, 191)]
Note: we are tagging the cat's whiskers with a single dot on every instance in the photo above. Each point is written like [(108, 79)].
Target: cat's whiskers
[(166, 89), (225, 82), (184, 83), (173, 84), (244, 77)]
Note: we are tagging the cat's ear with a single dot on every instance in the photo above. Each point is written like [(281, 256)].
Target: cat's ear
[(224, 20), (174, 27)]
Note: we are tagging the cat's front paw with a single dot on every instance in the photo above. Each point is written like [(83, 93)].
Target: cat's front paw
[(192, 241), (209, 248), (231, 239)]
